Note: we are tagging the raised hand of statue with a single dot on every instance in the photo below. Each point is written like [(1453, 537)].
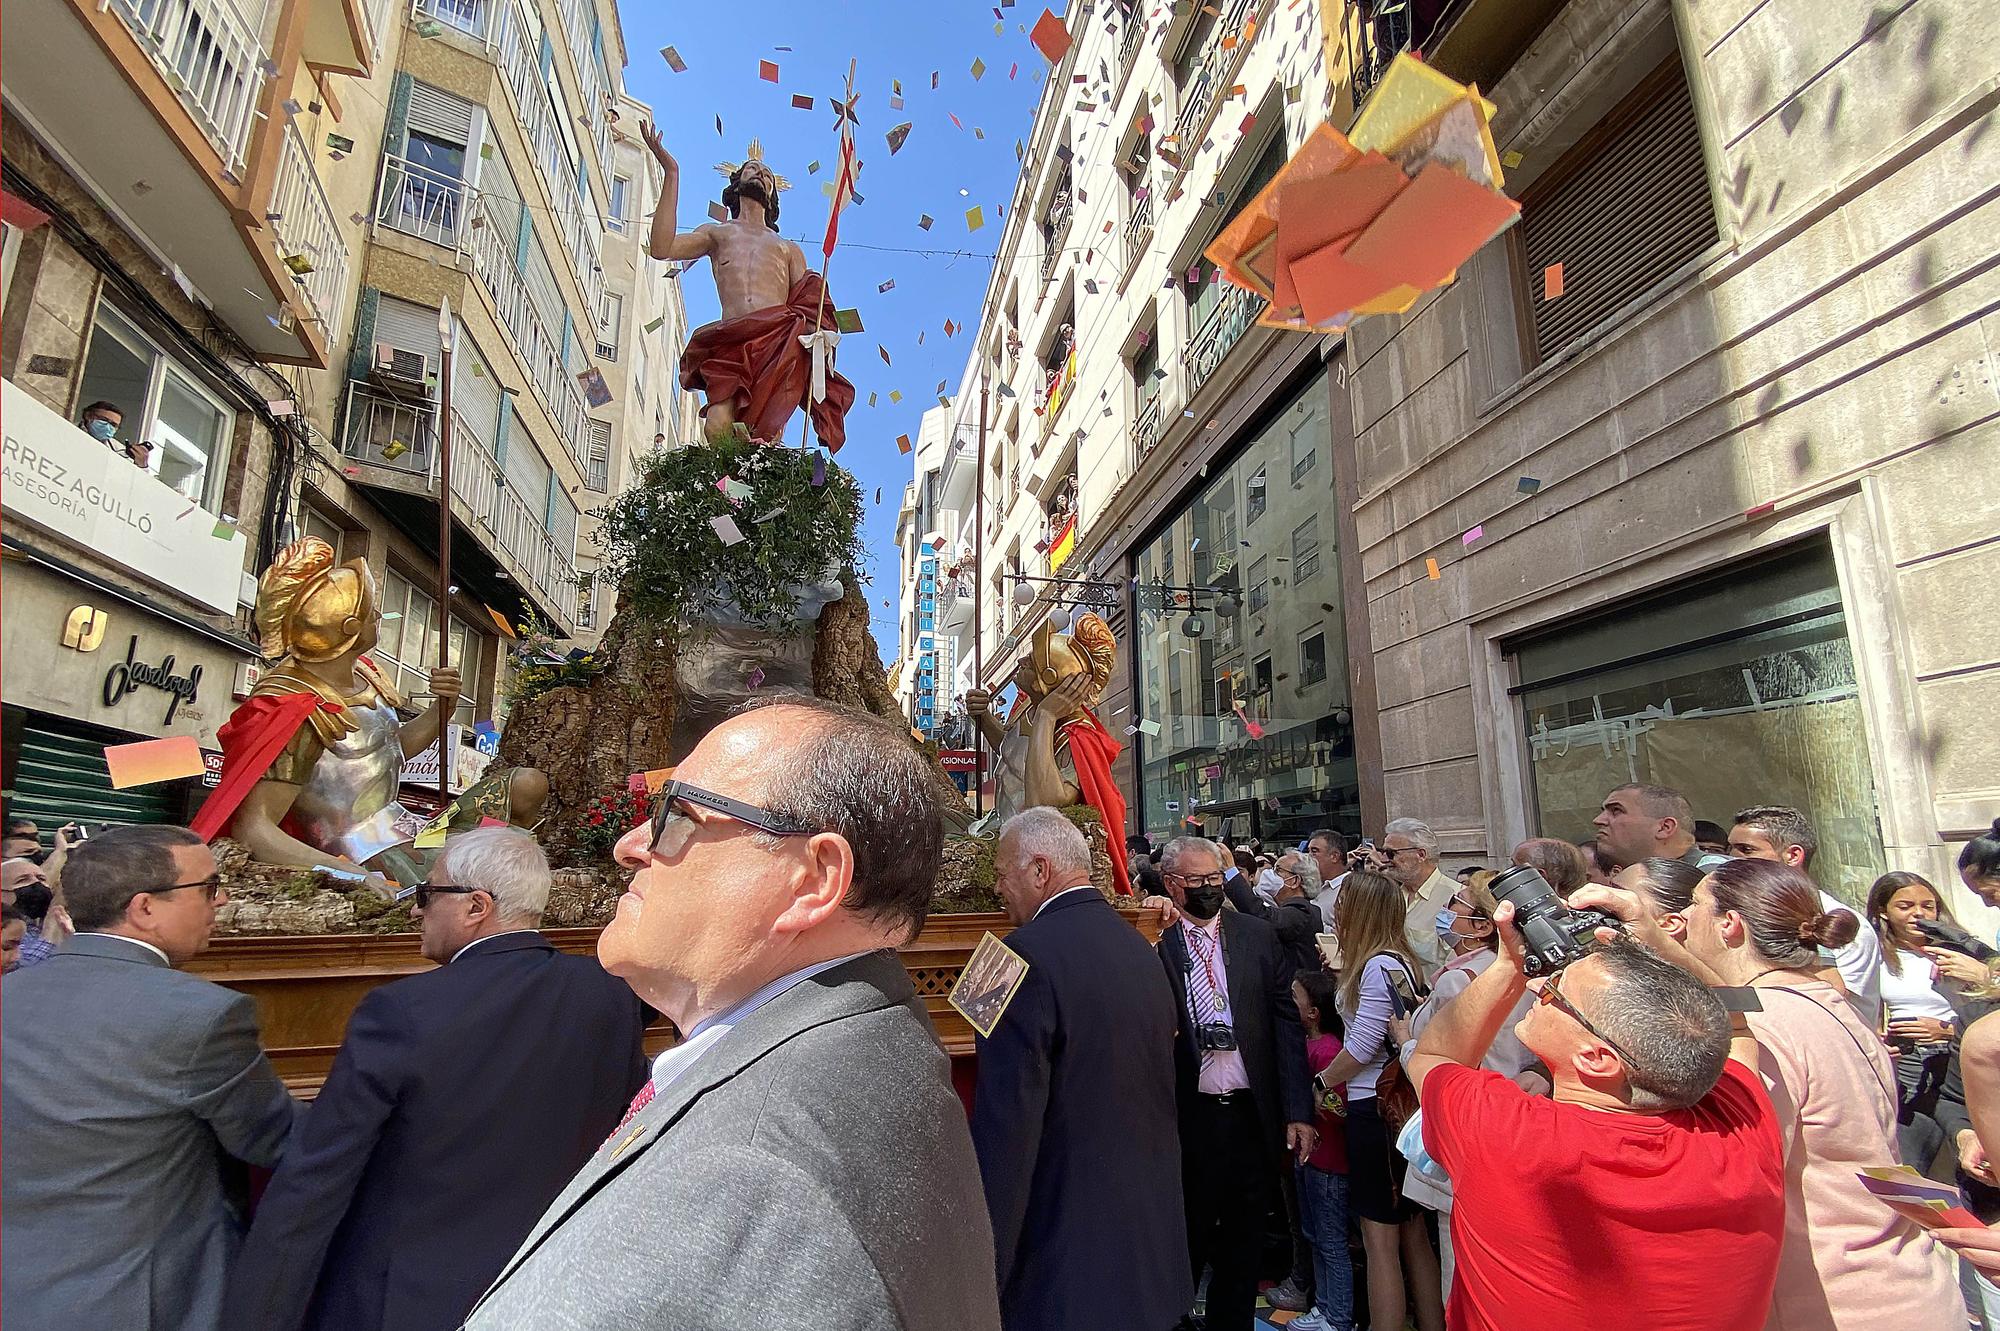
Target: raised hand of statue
[(651, 133), (446, 687), (1065, 699)]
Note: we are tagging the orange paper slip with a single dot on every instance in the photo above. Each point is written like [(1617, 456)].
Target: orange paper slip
[(1431, 228), (153, 760)]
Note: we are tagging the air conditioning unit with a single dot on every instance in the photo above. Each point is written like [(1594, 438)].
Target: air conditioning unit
[(399, 369)]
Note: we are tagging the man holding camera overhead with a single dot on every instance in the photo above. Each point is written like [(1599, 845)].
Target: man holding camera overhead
[(1239, 1072), (1651, 1181)]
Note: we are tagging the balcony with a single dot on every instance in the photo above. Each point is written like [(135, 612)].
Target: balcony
[(393, 437), (1146, 428), (308, 238), (1138, 229), (955, 604), (169, 111), (1058, 380), (1131, 40), (1232, 316), (580, 224), (1055, 229), (420, 202), (473, 18)]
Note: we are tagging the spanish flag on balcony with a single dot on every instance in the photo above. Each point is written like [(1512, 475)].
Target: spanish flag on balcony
[(1063, 546)]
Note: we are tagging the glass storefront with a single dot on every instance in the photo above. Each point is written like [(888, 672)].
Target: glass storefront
[(1247, 677), (1736, 690)]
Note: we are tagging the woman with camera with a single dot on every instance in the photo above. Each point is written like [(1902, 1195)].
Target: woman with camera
[(1923, 985), (1847, 1260), (1381, 976)]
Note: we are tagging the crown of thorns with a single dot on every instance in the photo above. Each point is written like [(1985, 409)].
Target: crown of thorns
[(754, 154)]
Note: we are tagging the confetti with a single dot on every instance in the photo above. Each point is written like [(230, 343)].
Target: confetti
[(726, 528), (1552, 281), (153, 760), (902, 443), (673, 59), (871, 399), (978, 69), (636, 783), (847, 321), (886, 287), (924, 221), (895, 396), (1510, 158), (1473, 535), (897, 136), (819, 469), (812, 167), (884, 353), (1431, 570), (755, 678), (654, 326), (718, 125), (802, 102), (1527, 485), (1149, 727), (595, 391), (975, 217), (767, 70)]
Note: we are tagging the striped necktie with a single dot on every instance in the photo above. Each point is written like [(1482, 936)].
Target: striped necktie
[(1201, 987)]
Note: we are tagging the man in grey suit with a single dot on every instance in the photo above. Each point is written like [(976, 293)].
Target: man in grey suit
[(799, 1159), (123, 1083)]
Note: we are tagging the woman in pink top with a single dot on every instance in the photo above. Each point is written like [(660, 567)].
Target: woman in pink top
[(1848, 1261)]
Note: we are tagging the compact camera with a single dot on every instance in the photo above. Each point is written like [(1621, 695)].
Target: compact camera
[(1216, 1035), (1954, 939), (1555, 934)]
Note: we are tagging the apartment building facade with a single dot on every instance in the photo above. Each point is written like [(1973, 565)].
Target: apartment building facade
[(376, 164), (924, 536), (1695, 447)]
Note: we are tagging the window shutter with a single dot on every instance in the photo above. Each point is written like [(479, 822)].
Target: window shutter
[(440, 114), (409, 327), (476, 396), (1620, 213)]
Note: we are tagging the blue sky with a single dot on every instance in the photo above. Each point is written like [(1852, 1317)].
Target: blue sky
[(942, 170)]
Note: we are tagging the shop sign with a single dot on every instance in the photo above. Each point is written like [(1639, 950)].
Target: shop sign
[(130, 675), (468, 764), (211, 768), (60, 479), (959, 760)]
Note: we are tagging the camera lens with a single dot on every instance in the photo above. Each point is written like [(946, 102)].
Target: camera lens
[(1524, 886)]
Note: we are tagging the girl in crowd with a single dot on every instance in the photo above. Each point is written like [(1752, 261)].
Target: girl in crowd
[(1667, 888), (1465, 927), (1847, 1261), (1979, 865), (1921, 988), (1323, 1177), (1370, 921)]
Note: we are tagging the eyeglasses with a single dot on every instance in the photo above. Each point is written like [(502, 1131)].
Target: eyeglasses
[(423, 892), (210, 886), (1552, 994), (1199, 879), (1393, 851), (673, 823)]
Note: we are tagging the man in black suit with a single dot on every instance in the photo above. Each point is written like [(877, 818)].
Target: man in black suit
[(1075, 1103), (1245, 1102), (460, 1104)]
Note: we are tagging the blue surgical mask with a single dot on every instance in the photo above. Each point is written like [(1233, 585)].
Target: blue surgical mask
[(102, 430), (1447, 925)]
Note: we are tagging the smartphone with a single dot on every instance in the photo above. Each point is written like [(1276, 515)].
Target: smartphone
[(1402, 997), (1004, 703)]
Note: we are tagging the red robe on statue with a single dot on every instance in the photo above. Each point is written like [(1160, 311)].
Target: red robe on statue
[(252, 738), (1092, 750), (757, 364)]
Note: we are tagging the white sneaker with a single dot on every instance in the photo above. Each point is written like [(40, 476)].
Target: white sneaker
[(1310, 1320)]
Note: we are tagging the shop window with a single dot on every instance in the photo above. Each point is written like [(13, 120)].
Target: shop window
[(1312, 657), (1305, 549), (163, 402), (1640, 172), (1735, 691)]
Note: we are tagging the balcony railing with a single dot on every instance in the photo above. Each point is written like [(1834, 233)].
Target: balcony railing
[(303, 222), (474, 18), (1057, 382), (1131, 41), (1205, 351), (1385, 32), (577, 16), (1146, 428), (1138, 229), (420, 202), (493, 260), (580, 224), (377, 422), (210, 57), (1209, 78), (1055, 230)]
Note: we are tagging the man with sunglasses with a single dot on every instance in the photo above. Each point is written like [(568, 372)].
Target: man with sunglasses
[(461, 1102), (1651, 1181), (800, 1157), (123, 1084)]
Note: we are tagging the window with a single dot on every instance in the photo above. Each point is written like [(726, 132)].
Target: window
[(465, 15), (1312, 656), (1304, 454), (1256, 495), (164, 402), (1737, 688), (1639, 172), (312, 522), (1260, 588), (597, 474), (620, 188), (408, 647), (610, 318), (1305, 549)]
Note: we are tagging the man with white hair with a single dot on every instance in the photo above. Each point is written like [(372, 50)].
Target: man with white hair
[(1075, 1102), (461, 1102), (1412, 849)]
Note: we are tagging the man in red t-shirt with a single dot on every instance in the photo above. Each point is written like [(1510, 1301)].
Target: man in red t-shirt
[(1649, 1190)]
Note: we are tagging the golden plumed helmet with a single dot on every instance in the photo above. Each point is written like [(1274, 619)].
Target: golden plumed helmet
[(310, 608), (1088, 649)]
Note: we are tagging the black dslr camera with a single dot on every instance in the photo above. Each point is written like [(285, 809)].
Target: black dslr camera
[(1555, 934), (1217, 1035), (1954, 939)]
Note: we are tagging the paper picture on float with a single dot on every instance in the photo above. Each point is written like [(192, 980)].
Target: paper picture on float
[(987, 984)]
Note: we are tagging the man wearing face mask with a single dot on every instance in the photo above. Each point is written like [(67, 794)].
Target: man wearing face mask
[(101, 421), (1241, 1085)]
